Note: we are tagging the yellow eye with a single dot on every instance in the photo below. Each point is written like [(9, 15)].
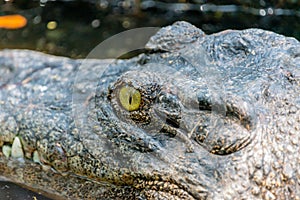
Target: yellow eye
[(130, 98)]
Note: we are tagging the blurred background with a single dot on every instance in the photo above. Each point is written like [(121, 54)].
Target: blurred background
[(74, 27)]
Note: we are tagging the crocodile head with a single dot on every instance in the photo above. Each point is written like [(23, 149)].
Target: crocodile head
[(196, 117)]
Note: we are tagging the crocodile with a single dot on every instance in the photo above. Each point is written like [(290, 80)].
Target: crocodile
[(194, 116)]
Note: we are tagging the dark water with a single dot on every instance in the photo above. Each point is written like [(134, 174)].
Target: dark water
[(74, 28), (9, 191)]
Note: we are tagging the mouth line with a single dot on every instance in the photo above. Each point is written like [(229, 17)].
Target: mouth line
[(148, 185), (167, 187)]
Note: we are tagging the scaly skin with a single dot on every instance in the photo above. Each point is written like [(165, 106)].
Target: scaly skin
[(219, 118)]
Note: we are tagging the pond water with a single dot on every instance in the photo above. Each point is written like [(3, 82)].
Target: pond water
[(73, 28)]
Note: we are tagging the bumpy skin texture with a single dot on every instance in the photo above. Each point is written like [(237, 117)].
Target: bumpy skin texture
[(219, 119)]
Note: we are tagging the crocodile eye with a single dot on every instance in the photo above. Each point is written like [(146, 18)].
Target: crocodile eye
[(129, 98)]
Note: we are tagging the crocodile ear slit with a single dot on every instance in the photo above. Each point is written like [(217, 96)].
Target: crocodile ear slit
[(222, 139), (223, 132)]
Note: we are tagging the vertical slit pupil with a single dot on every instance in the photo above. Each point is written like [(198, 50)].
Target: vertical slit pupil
[(130, 99)]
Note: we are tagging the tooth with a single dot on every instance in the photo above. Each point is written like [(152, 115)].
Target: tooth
[(16, 149), (6, 150), (36, 157), (46, 167)]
